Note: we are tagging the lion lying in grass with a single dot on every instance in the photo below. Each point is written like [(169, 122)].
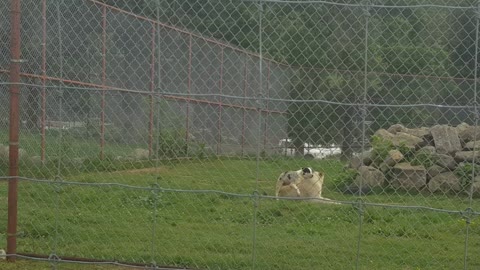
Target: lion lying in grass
[(305, 183)]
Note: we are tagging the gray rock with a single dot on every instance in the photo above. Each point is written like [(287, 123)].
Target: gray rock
[(468, 133), (396, 128), (426, 150), (140, 153), (446, 139), (422, 132), (445, 161), (384, 167), (4, 153), (369, 176), (434, 171), (462, 127), (36, 160), (394, 157), (470, 145), (444, 182), (467, 156), (410, 141), (475, 186), (384, 134), (361, 159), (407, 176)]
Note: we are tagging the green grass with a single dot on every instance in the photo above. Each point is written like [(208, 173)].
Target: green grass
[(209, 230), (22, 264), (215, 231), (68, 144)]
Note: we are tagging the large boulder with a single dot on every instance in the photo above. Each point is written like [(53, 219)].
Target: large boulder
[(446, 139), (384, 134), (445, 161), (396, 128), (140, 153), (468, 156), (394, 157), (462, 127), (369, 176), (405, 139), (417, 132), (475, 186), (5, 152), (428, 150), (364, 158), (473, 144), (434, 171), (444, 182), (409, 177), (467, 133), (422, 132)]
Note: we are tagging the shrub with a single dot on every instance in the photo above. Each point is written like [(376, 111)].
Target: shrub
[(172, 144), (464, 171), (425, 159), (380, 149)]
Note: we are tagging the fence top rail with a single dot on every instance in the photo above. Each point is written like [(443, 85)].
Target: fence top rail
[(188, 97), (362, 4)]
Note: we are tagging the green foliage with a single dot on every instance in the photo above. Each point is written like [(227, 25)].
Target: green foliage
[(465, 171), (423, 158), (380, 148), (342, 179), (172, 144)]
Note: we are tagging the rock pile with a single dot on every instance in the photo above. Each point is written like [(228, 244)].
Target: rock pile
[(439, 159)]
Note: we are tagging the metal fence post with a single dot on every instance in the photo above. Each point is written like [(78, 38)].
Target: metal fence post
[(44, 80), (14, 128), (220, 107), (476, 116), (189, 89), (267, 113), (152, 89), (245, 79), (104, 83), (363, 111)]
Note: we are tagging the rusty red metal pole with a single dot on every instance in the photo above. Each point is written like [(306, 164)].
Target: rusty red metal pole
[(44, 80), (14, 129), (152, 88), (104, 78), (219, 142)]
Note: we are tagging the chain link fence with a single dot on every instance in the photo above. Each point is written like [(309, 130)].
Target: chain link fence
[(153, 133)]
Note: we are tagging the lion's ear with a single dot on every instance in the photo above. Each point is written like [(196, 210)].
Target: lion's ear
[(319, 174)]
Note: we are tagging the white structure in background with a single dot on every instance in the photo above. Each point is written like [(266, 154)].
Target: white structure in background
[(310, 151)]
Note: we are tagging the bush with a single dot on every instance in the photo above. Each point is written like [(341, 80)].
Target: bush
[(344, 178), (425, 159), (464, 172), (172, 144), (380, 149)]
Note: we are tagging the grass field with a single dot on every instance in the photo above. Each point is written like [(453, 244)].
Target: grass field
[(188, 224), (208, 230)]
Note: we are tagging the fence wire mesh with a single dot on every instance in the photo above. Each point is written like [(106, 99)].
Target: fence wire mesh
[(156, 132)]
